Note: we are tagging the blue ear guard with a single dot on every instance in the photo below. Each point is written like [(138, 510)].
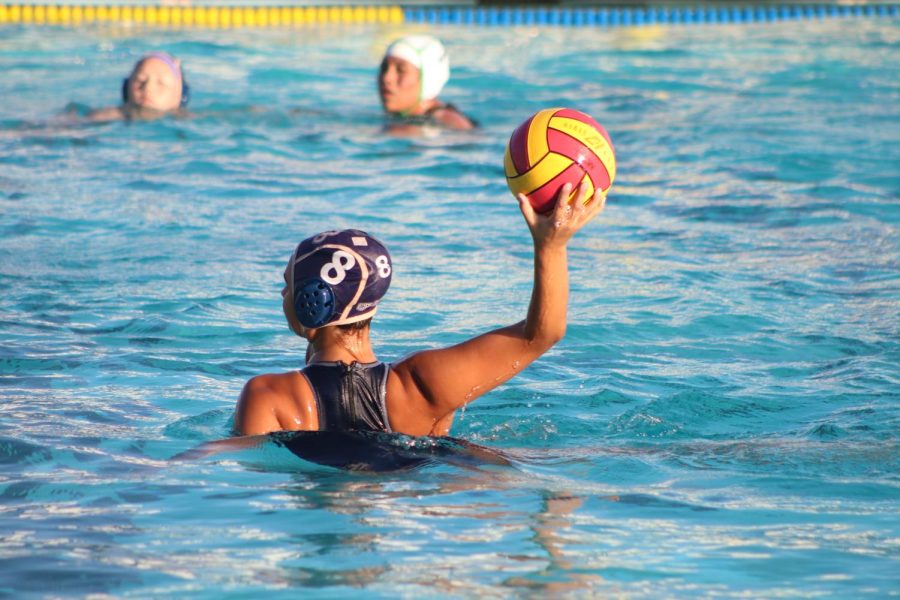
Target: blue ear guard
[(313, 302), (185, 91)]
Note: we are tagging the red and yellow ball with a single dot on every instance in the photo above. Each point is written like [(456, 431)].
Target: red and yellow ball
[(556, 146)]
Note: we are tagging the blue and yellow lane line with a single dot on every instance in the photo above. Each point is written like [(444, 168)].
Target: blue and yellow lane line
[(287, 16)]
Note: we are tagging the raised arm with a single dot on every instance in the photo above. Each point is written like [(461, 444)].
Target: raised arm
[(430, 385)]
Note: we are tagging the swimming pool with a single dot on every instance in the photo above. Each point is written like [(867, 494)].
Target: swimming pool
[(720, 420)]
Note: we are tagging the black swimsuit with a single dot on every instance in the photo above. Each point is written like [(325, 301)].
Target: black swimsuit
[(350, 397), (448, 106), (427, 118)]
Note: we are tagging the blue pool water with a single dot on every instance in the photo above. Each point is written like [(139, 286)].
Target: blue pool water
[(721, 419)]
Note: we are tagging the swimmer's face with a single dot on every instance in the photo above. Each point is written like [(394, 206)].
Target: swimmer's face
[(398, 85), (154, 85)]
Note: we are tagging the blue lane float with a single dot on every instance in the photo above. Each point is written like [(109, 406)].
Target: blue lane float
[(640, 16)]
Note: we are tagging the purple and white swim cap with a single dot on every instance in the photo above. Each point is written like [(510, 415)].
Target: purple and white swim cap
[(338, 277), (169, 60), (427, 54)]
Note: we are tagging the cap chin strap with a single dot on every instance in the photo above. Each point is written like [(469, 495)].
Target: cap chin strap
[(421, 79), (421, 67)]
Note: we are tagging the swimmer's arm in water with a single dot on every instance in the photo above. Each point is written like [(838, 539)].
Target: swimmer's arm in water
[(232, 444), (110, 113), (133, 113), (430, 385)]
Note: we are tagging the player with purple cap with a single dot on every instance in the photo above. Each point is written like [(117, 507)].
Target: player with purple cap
[(334, 282), (155, 87)]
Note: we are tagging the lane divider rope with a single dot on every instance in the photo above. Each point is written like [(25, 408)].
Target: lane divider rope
[(283, 16), (607, 16), (198, 16)]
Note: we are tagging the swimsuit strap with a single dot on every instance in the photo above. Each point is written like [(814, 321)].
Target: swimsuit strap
[(449, 106)]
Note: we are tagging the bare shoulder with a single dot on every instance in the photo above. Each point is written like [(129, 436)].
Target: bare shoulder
[(417, 387), (411, 376), (274, 402), (273, 388), (407, 397), (448, 116)]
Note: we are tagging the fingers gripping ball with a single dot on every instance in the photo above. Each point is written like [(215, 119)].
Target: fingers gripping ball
[(554, 147)]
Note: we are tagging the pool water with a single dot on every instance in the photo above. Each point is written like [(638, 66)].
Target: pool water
[(721, 419)]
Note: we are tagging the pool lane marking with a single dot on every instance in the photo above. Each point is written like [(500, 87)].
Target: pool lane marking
[(282, 16), (198, 16)]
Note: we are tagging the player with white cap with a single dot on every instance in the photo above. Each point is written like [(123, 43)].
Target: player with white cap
[(413, 72)]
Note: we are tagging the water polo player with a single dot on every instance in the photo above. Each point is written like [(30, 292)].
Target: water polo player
[(333, 284), (155, 88), (413, 72)]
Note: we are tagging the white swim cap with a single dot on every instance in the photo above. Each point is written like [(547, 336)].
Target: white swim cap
[(427, 54)]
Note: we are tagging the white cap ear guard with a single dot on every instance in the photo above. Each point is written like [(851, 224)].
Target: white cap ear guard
[(427, 54)]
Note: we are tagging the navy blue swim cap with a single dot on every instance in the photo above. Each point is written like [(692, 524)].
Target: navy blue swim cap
[(338, 277)]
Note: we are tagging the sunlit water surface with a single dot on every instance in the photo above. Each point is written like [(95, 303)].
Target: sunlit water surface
[(720, 420)]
